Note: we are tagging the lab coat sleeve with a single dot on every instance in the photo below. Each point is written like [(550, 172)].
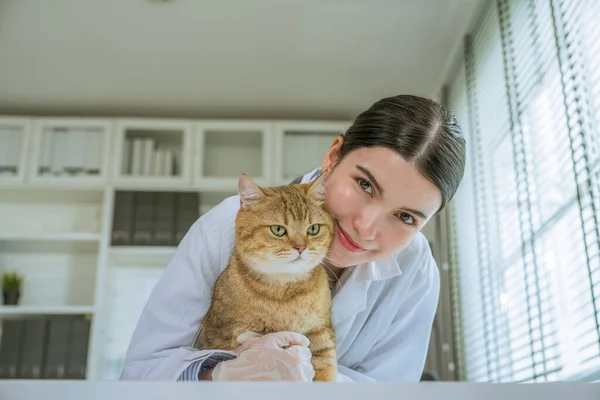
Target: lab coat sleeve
[(160, 345), (400, 355)]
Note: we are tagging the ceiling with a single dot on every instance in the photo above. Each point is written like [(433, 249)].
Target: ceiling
[(223, 59)]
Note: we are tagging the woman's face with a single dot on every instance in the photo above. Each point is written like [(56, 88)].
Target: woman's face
[(379, 202)]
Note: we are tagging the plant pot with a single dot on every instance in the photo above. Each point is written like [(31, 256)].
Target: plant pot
[(11, 298)]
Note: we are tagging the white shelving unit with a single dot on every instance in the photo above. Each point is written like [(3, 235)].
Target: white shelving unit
[(210, 199), (57, 225), (52, 237), (141, 255), (15, 151), (226, 149), (302, 146), (45, 310), (153, 153), (70, 151)]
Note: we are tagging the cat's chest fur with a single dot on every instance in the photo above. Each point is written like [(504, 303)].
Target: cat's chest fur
[(264, 307), (298, 313)]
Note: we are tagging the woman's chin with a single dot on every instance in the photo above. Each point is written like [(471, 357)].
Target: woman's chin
[(338, 260)]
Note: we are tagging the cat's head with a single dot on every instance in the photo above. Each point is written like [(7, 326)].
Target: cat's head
[(282, 230)]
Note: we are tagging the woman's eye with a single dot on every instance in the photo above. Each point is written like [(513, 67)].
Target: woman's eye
[(278, 230), (406, 218), (365, 185)]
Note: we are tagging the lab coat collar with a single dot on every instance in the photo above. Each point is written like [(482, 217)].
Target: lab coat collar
[(315, 173), (378, 270), (351, 298)]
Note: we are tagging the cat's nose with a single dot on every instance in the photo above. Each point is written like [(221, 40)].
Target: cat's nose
[(300, 248)]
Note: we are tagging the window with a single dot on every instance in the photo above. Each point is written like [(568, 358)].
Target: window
[(526, 221)]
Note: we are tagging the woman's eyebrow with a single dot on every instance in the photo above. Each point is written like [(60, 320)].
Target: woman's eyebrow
[(418, 213), (371, 178)]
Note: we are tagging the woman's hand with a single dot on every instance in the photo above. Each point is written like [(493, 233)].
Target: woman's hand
[(280, 356)]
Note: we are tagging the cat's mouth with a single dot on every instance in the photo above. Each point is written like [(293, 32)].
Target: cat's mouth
[(299, 258), (292, 265)]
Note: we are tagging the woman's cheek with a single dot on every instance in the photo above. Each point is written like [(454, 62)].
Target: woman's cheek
[(396, 240), (341, 200)]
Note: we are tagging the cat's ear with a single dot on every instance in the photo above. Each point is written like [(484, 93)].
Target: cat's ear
[(249, 191), (316, 188)]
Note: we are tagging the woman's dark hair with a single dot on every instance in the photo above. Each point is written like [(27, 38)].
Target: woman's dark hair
[(420, 130)]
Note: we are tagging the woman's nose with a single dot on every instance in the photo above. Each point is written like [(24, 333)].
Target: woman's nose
[(365, 223)]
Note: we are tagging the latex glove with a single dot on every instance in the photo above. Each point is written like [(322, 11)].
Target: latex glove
[(280, 356)]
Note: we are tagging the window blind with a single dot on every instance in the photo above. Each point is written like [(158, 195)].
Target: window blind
[(487, 124), (460, 209), (576, 26), (524, 224)]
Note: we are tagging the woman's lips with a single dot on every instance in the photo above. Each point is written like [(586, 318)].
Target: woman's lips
[(347, 242)]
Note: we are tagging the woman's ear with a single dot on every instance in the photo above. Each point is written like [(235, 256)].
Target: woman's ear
[(331, 157)]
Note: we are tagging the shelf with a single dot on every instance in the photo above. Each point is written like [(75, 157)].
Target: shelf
[(222, 184), (51, 192), (142, 255), (225, 150), (156, 151), (14, 139), (54, 237), (44, 310), (47, 218), (71, 151), (208, 200), (301, 147), (54, 277), (50, 243)]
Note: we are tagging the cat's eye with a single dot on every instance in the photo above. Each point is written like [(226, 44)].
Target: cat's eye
[(278, 230), (313, 229)]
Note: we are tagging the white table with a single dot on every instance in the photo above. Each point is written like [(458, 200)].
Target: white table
[(115, 390)]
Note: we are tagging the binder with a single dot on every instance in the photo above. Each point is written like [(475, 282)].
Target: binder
[(142, 231), (126, 157), (122, 230), (4, 144), (57, 344), (153, 218), (76, 364), (10, 345), (188, 211), (32, 349), (93, 148), (14, 149), (147, 155), (46, 155), (163, 229)]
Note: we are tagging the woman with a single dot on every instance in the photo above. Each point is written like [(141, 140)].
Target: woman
[(395, 168)]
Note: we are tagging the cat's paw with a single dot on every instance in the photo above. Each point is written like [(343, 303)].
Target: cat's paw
[(246, 336)]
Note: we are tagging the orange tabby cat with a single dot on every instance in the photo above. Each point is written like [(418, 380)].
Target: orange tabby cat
[(274, 281)]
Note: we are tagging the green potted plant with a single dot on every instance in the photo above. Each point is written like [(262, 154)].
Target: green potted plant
[(11, 287)]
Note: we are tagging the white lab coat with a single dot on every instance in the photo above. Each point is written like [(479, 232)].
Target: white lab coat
[(382, 313)]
